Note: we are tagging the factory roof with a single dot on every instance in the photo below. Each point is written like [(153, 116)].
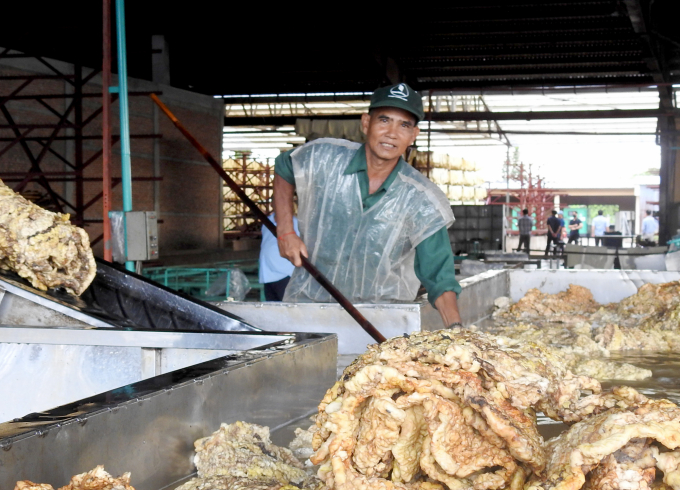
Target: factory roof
[(220, 48)]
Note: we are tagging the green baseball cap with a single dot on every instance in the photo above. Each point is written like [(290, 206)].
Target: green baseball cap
[(400, 96)]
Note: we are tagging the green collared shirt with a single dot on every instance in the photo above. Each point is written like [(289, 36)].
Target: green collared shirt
[(434, 257)]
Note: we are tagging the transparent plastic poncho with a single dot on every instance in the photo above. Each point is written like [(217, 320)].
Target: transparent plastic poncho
[(367, 254)]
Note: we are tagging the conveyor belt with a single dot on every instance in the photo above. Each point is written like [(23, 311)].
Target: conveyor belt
[(116, 298), (149, 427)]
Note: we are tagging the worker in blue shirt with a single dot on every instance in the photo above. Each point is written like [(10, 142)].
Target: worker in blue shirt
[(274, 271)]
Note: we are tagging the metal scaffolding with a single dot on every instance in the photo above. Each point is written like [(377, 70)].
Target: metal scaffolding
[(63, 118)]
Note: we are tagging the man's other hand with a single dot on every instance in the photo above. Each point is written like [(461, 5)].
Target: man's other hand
[(291, 247), (447, 305)]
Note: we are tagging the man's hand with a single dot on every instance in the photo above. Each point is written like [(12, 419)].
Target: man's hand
[(447, 305), (291, 247)]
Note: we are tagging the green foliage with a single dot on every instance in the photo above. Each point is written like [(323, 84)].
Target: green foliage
[(651, 171), (608, 210)]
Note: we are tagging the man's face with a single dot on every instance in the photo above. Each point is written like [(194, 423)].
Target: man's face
[(389, 131)]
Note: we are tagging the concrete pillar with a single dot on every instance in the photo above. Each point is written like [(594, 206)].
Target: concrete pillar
[(669, 190), (637, 211)]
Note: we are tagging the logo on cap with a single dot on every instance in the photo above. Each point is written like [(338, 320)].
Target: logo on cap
[(399, 92)]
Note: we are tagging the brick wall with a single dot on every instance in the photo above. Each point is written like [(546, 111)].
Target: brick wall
[(187, 200)]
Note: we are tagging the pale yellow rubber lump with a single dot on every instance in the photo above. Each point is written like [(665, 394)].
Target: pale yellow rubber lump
[(580, 348), (630, 468), (576, 325), (244, 450), (462, 451), (29, 485), (651, 305), (452, 407), (408, 447), (622, 397), (378, 432), (669, 463), (650, 337), (599, 369), (98, 479), (530, 372), (619, 432), (570, 306), (43, 247), (497, 419), (235, 483)]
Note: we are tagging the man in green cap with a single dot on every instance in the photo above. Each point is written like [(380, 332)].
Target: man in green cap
[(375, 226)]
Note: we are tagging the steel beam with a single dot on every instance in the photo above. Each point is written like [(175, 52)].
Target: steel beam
[(35, 163), (536, 73), (78, 140), (15, 92), (515, 85), (86, 137), (14, 141), (538, 47), (443, 62), (58, 155), (488, 90), (86, 179), (35, 77), (91, 95), (467, 116)]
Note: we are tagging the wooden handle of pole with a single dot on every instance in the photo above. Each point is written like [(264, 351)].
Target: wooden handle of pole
[(315, 273)]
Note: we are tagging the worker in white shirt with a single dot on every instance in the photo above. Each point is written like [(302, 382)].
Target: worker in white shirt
[(600, 224), (650, 227)]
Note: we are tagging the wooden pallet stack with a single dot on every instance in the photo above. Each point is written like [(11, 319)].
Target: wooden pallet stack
[(457, 177), (256, 177)]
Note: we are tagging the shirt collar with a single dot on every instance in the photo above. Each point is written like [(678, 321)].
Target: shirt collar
[(358, 164)]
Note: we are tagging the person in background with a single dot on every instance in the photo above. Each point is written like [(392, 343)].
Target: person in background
[(612, 242), (600, 224), (554, 232), (575, 224), (274, 270), (650, 227), (525, 224), (563, 234)]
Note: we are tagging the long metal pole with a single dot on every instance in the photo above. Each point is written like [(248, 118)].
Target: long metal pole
[(126, 171), (106, 130), (315, 273)]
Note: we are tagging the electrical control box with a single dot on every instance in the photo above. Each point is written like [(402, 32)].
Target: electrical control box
[(142, 235)]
